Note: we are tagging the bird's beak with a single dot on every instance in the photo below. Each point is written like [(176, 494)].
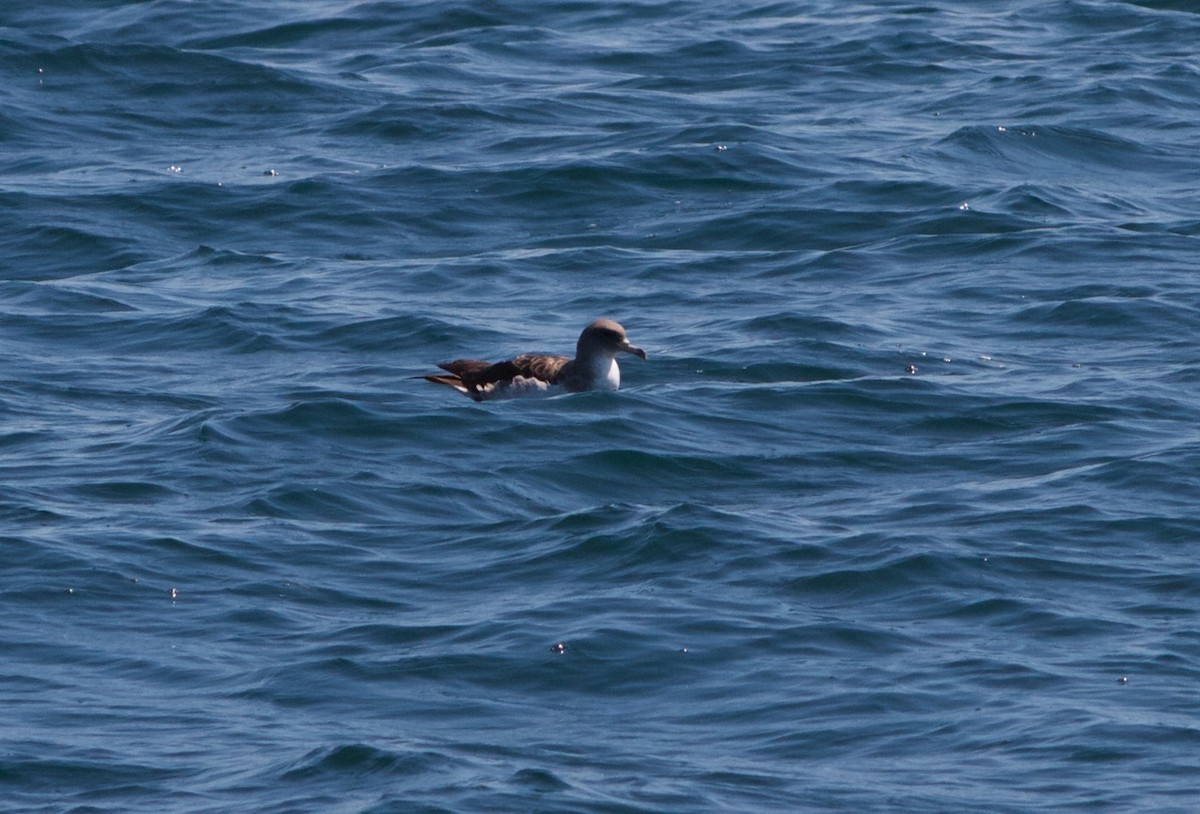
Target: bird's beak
[(636, 351)]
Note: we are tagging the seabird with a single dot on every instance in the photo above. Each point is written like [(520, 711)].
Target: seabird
[(593, 368)]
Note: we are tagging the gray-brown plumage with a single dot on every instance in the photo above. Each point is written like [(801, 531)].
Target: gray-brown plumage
[(593, 368)]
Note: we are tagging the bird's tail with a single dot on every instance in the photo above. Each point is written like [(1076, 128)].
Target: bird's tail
[(448, 379)]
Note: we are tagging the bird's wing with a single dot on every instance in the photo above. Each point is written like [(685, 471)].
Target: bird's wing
[(543, 367), (463, 368), (474, 377)]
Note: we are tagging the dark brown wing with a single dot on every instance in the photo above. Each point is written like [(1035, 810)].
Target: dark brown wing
[(540, 366), (462, 368), (476, 376), (454, 373)]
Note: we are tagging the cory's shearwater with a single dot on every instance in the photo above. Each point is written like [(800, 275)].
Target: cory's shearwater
[(593, 368)]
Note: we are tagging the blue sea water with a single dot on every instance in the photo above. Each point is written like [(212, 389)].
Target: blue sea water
[(900, 515)]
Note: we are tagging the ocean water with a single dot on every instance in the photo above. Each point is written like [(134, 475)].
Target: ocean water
[(900, 515)]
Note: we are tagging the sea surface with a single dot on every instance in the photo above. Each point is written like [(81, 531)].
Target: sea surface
[(901, 514)]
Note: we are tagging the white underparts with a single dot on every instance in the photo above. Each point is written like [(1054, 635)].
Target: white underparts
[(605, 373)]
